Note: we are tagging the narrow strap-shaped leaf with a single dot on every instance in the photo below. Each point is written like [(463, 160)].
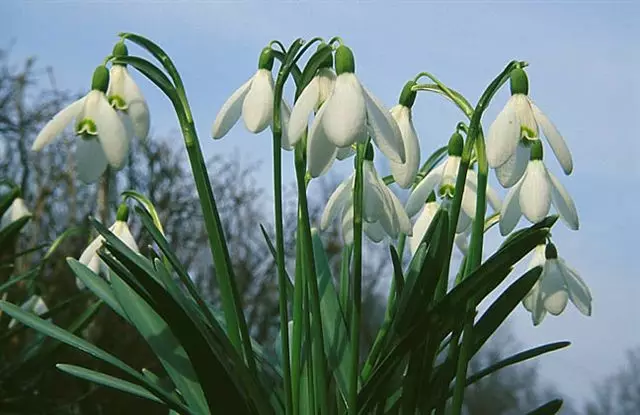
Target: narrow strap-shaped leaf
[(272, 249), (7, 199), (107, 380), (550, 408), (144, 201), (9, 233), (397, 270), (152, 72)]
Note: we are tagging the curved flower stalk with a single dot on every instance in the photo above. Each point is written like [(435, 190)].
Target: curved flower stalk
[(103, 136), (516, 127), (349, 115), (125, 96), (16, 211), (383, 214), (89, 256), (533, 195), (254, 102), (557, 284), (442, 180), (405, 173), (36, 305)]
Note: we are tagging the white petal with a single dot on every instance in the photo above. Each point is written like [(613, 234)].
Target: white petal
[(405, 173), (375, 201), (512, 170), (326, 82), (464, 222), (39, 307), (90, 159), (285, 117), (347, 225), (563, 203), (257, 108), (345, 152), (374, 231), (538, 258), (112, 134), (579, 292), (469, 199), (230, 111), (539, 312), (337, 202), (57, 124), (18, 209), (303, 107), (404, 222), (535, 192), (137, 109), (345, 112), (450, 172), (122, 231), (421, 225), (529, 301), (524, 114), (553, 289), (89, 256), (419, 196), (116, 81), (462, 242), (321, 152), (492, 196), (386, 133), (503, 137), (510, 212), (556, 142)]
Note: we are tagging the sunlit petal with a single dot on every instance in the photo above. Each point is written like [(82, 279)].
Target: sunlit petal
[(385, 131), (405, 173), (510, 213), (336, 203), (535, 192), (90, 159), (57, 124), (513, 169), (321, 153), (418, 197), (302, 109), (345, 112), (231, 111), (503, 137), (563, 203), (556, 142)]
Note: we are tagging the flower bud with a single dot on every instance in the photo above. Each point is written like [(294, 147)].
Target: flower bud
[(100, 79), (328, 61), (345, 62), (456, 143), (123, 213), (519, 82), (408, 96), (550, 251), (120, 49), (266, 59), (536, 150)]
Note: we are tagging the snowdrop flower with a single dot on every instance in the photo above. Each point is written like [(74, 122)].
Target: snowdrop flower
[(442, 180), (254, 102), (405, 173), (515, 128), (120, 229), (383, 214), (17, 210), (558, 283), (348, 116), (533, 195), (125, 96), (103, 136), (35, 304)]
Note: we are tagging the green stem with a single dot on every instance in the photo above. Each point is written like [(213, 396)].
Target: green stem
[(345, 266), (298, 299), (356, 283)]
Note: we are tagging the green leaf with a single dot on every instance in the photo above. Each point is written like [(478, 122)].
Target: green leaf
[(397, 269), (164, 344), (144, 201), (334, 327), (516, 358), (27, 275), (76, 230), (550, 408), (9, 233), (64, 336), (107, 380), (312, 67), (96, 285), (7, 199), (272, 249), (152, 72)]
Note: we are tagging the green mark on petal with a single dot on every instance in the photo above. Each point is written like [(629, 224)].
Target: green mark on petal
[(266, 59), (446, 191), (345, 62), (118, 103), (519, 82), (100, 81), (527, 132), (87, 128)]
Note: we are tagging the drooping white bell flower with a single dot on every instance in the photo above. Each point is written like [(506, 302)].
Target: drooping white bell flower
[(254, 102), (103, 137), (383, 214), (347, 117), (442, 181), (557, 284), (35, 304), (89, 256), (533, 195), (405, 173), (125, 96), (17, 210), (517, 125)]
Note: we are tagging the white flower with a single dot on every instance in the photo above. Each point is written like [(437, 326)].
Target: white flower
[(311, 99), (442, 180), (103, 136), (520, 120), (533, 195), (16, 211), (405, 173), (125, 96), (120, 229), (348, 116), (35, 304), (382, 214), (558, 282)]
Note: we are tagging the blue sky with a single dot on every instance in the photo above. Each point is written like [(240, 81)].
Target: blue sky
[(584, 66)]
